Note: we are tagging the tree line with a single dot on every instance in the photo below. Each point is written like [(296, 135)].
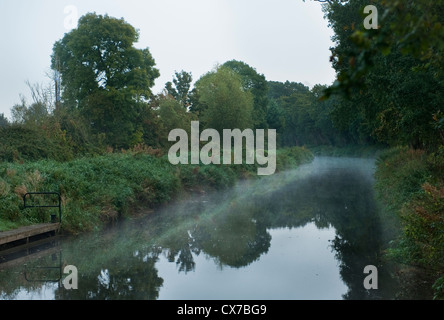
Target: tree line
[(100, 98), (392, 76), (388, 90)]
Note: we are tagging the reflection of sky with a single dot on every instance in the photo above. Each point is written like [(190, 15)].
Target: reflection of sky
[(299, 265), (46, 292)]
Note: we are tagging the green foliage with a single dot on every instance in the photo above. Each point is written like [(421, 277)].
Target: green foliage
[(35, 114), (181, 90), (77, 131), (94, 190), (402, 170), (101, 189), (4, 122), (392, 82), (256, 84), (105, 76), (392, 76), (292, 157), (18, 143), (409, 185), (228, 105), (301, 117), (438, 287), (172, 115)]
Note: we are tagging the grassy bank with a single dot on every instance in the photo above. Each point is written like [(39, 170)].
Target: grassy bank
[(410, 184), (98, 190)]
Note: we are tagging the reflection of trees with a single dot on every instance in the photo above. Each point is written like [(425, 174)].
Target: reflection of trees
[(223, 229), (343, 199), (359, 240), (13, 279), (179, 248), (233, 239), (136, 279), (235, 234)]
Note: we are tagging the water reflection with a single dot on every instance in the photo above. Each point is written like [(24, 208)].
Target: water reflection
[(233, 231)]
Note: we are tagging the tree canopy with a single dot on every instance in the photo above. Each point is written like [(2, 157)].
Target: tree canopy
[(104, 75), (388, 88), (227, 104), (181, 90), (257, 85), (391, 77)]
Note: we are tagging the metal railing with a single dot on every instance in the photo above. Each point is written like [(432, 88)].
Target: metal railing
[(59, 205)]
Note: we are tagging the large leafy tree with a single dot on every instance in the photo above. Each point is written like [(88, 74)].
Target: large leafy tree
[(105, 76), (255, 83), (224, 103)]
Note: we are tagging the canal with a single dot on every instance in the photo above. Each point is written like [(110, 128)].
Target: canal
[(302, 234)]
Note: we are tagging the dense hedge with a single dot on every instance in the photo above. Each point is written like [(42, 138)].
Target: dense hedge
[(20, 143)]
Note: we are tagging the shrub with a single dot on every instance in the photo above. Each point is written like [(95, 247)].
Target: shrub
[(18, 143), (410, 185)]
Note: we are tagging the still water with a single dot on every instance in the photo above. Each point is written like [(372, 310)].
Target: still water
[(302, 234)]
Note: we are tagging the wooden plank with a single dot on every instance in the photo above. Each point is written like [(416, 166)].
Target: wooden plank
[(27, 231)]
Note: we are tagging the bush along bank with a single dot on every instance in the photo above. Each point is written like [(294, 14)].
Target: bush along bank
[(410, 184), (98, 190)]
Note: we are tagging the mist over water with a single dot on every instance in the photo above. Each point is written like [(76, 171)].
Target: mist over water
[(301, 234)]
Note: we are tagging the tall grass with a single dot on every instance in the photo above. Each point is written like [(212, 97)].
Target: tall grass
[(97, 190)]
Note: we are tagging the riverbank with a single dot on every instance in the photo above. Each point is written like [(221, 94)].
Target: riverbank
[(98, 190), (410, 185), (359, 151)]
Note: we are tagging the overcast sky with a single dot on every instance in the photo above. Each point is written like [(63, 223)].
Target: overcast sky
[(282, 39)]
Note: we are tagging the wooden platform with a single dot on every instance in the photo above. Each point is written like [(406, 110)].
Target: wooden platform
[(25, 233)]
